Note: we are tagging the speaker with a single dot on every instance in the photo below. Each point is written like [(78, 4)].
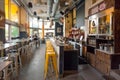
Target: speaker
[(61, 12), (30, 4), (35, 13), (38, 17), (47, 18)]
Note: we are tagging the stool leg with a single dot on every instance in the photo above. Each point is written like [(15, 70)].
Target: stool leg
[(46, 66), (16, 65), (20, 62), (55, 65), (11, 66), (5, 73), (51, 64)]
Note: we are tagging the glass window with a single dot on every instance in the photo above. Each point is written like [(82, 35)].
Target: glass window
[(35, 23), (14, 31), (7, 32)]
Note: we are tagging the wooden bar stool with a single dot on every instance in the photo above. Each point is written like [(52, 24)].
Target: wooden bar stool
[(52, 56), (16, 58)]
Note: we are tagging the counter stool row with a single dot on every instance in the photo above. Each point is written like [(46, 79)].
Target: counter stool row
[(50, 58)]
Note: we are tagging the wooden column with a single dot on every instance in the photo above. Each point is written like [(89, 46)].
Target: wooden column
[(117, 26), (2, 21), (43, 29)]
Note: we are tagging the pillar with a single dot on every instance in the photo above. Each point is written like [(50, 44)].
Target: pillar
[(43, 29)]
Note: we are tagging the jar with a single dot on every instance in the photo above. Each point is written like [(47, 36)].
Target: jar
[(101, 46), (105, 47)]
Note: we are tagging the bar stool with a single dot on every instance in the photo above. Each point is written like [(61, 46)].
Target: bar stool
[(16, 58), (6, 70), (50, 55), (23, 55)]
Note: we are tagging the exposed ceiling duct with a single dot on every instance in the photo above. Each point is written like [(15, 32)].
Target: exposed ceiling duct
[(50, 5), (55, 7)]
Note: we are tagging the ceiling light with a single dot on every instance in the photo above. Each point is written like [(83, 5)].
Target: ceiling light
[(30, 5), (61, 12), (35, 13)]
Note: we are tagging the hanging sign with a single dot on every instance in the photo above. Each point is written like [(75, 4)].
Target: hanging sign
[(98, 8)]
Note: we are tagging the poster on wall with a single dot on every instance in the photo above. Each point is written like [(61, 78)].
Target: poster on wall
[(59, 30)]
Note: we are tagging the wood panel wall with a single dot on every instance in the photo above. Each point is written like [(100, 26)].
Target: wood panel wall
[(68, 23)]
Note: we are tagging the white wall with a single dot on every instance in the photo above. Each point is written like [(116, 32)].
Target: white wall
[(88, 4)]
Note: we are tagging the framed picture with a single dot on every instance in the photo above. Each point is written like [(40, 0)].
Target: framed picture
[(59, 30)]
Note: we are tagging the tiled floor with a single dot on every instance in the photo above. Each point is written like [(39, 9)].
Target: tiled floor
[(35, 70)]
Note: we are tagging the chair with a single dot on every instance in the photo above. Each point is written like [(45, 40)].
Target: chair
[(16, 58)]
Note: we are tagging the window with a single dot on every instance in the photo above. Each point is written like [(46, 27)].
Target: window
[(7, 32), (11, 32), (14, 31)]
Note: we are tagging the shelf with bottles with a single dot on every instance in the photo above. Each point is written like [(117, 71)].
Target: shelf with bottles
[(91, 40), (76, 34), (105, 24)]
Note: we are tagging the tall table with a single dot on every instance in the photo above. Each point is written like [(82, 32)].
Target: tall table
[(4, 67)]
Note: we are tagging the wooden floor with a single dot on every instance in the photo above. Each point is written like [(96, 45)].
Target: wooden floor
[(35, 70)]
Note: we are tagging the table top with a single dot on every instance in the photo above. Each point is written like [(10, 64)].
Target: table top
[(19, 40), (7, 45), (4, 64)]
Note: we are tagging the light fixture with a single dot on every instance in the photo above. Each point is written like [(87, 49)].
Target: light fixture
[(38, 17), (61, 12), (30, 4), (35, 13), (47, 18)]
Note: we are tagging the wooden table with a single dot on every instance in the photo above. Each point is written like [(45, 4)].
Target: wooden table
[(4, 67), (7, 45)]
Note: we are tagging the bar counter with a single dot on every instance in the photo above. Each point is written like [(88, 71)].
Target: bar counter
[(67, 59)]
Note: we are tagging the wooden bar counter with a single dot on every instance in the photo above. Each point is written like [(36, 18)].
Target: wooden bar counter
[(67, 59)]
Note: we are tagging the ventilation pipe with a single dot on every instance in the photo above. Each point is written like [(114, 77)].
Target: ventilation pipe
[(55, 7), (50, 5)]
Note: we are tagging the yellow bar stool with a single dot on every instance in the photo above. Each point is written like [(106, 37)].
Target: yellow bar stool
[(52, 56)]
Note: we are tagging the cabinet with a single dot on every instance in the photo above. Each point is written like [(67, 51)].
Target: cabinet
[(71, 60), (105, 61)]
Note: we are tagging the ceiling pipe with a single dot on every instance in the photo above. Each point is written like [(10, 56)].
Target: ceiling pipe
[(55, 7), (50, 5)]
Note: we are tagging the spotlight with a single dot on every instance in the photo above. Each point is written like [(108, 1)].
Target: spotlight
[(38, 17), (61, 12), (47, 18), (30, 5), (35, 13)]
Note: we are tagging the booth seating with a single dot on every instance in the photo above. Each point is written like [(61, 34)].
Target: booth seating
[(50, 58)]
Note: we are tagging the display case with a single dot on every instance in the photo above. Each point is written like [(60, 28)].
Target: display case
[(105, 24)]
